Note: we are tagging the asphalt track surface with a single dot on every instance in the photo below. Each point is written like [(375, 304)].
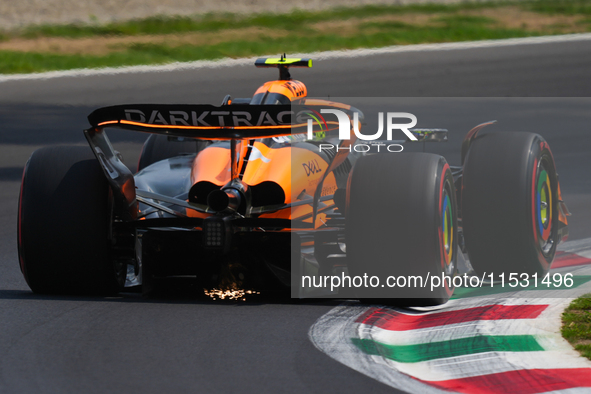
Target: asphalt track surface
[(129, 344)]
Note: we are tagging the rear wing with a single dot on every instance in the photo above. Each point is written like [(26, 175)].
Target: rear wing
[(229, 122), (209, 122)]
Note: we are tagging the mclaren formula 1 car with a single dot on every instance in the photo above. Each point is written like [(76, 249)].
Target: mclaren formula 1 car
[(264, 193)]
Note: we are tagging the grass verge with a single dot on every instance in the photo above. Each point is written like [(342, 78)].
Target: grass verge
[(576, 325), (160, 40)]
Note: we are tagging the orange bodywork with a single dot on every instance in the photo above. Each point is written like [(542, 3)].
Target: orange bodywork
[(291, 89), (299, 171)]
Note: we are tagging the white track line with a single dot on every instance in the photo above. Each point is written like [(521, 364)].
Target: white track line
[(316, 56)]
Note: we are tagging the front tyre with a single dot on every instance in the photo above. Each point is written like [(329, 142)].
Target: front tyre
[(402, 223), (510, 204), (64, 222)]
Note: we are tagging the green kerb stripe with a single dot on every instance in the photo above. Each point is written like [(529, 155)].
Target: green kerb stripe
[(453, 348)]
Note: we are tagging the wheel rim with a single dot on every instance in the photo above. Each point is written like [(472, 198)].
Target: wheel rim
[(544, 209)]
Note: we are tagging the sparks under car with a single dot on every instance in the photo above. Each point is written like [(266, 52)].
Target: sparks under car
[(239, 195)]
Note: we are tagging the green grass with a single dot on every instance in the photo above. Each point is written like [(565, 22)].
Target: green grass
[(560, 7), (292, 21), (576, 325), (215, 22), (301, 30), (463, 20), (135, 54)]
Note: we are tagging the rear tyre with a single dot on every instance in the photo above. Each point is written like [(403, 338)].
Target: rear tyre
[(510, 204), (64, 223), (158, 147), (401, 222)]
